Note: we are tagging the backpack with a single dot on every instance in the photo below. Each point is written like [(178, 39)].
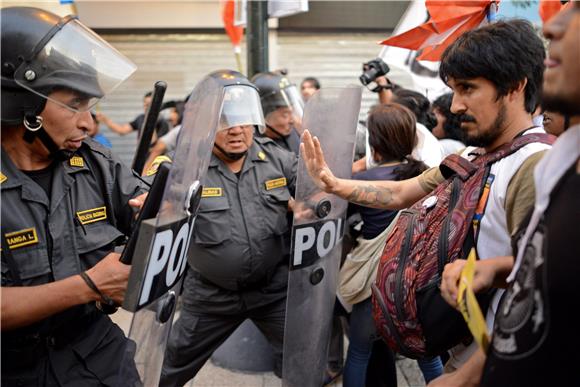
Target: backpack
[(409, 312)]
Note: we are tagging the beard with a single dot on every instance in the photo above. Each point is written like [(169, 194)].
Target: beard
[(485, 137), (561, 104)]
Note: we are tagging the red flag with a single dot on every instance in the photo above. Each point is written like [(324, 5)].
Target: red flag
[(549, 8), (234, 32), (448, 20)]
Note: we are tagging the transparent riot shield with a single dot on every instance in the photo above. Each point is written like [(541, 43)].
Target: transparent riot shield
[(331, 115), (159, 260)]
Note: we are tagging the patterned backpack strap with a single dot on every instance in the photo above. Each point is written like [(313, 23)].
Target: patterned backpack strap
[(454, 164), (514, 145)]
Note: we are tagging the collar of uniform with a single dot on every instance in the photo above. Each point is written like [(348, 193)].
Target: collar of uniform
[(15, 178), (77, 163), (214, 161), (256, 153), (12, 175)]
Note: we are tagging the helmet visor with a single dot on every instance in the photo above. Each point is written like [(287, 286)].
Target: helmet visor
[(75, 58), (287, 97), (241, 107), (295, 102)]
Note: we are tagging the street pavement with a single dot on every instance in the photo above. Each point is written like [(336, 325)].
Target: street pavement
[(408, 373)]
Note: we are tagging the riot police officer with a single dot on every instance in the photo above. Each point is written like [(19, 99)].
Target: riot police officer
[(64, 204), (283, 108), (238, 257)]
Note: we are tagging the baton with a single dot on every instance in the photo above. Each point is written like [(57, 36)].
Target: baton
[(149, 210), (148, 127)]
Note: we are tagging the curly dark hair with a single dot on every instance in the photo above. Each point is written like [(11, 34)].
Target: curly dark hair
[(452, 125), (418, 104), (505, 53)]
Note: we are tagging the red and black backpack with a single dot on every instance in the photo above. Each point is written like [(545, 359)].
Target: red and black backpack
[(409, 312)]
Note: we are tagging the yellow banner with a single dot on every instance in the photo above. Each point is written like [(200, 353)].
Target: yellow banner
[(469, 306)]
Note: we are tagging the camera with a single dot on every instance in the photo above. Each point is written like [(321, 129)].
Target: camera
[(372, 70)]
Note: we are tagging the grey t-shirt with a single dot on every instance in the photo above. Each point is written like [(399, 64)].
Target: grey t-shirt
[(170, 139)]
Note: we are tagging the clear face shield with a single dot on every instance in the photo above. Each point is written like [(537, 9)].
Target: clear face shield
[(74, 58), (241, 106), (294, 99), (288, 97)]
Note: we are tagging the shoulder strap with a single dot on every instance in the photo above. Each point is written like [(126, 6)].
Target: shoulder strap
[(514, 145), (455, 164)]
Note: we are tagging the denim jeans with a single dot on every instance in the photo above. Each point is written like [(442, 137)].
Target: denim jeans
[(430, 368), (362, 336)]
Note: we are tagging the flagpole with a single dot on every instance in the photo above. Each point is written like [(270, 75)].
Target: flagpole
[(492, 12), (238, 54)]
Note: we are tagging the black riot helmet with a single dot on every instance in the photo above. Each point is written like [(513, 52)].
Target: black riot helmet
[(41, 53), (241, 101), (276, 91)]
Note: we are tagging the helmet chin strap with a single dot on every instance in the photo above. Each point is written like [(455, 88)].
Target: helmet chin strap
[(230, 155), (276, 132), (34, 129)]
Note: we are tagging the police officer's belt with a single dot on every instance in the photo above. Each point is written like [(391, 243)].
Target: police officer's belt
[(57, 338), (241, 285)]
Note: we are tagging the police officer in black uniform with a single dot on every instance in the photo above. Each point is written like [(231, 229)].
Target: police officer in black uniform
[(64, 205), (283, 107), (238, 257)]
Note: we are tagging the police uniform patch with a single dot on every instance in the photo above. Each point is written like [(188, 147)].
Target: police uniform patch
[(261, 155), (3, 178), (21, 238), (155, 165), (76, 161), (211, 192), (276, 183), (93, 215)]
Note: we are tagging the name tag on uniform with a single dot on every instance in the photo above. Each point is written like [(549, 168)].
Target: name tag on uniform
[(21, 238), (211, 192), (93, 215), (276, 183)]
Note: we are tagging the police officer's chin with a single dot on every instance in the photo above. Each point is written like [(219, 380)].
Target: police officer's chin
[(231, 156), (277, 133), (236, 156)]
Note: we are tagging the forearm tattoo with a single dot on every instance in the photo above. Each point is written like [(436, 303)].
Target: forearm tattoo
[(368, 195)]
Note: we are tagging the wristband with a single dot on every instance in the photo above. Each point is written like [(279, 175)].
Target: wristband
[(104, 298)]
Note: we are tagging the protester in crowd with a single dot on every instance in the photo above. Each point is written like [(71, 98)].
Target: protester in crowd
[(448, 128), (392, 137), (161, 128), (93, 131), (495, 73), (428, 148), (556, 123), (166, 144), (308, 87), (532, 327), (174, 113)]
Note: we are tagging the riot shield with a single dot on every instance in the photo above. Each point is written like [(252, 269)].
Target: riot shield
[(159, 259), (331, 115)]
